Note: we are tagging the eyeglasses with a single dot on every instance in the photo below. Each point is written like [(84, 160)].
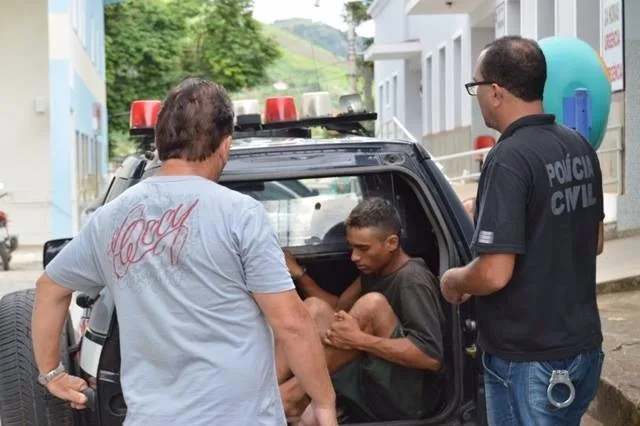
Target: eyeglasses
[(472, 88)]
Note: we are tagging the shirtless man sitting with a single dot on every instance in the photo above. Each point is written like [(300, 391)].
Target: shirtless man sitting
[(383, 334)]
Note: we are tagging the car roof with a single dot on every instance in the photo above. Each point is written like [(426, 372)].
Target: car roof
[(262, 143), (295, 156)]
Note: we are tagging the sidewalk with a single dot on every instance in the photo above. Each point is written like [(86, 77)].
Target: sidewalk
[(618, 266), (618, 279), (618, 400)]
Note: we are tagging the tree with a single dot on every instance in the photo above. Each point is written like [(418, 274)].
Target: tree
[(143, 43), (358, 12), (153, 44), (228, 46), (358, 9)]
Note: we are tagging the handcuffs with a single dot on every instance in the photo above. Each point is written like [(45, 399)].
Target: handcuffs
[(560, 377)]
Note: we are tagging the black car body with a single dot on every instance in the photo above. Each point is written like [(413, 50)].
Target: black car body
[(279, 172)]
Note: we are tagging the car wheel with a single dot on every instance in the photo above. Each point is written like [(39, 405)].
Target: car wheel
[(23, 401)]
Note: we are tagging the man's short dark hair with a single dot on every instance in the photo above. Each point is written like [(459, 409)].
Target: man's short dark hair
[(375, 213), (517, 64), (195, 118)]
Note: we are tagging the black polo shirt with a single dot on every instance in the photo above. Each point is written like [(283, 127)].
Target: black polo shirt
[(540, 197)]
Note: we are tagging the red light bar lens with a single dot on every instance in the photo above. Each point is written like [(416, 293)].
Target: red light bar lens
[(281, 108), (144, 114)]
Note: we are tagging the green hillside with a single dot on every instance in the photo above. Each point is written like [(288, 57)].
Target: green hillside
[(323, 35), (303, 66)]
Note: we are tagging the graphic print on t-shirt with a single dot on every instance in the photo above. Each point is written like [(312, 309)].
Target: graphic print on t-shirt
[(571, 170), (138, 236)]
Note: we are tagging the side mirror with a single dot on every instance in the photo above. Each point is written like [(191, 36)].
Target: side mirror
[(52, 248)]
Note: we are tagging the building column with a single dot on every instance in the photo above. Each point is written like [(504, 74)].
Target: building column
[(507, 18), (566, 18), (545, 18), (480, 37), (629, 203), (528, 18), (538, 18)]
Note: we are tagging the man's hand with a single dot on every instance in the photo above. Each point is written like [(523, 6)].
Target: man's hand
[(315, 415), (295, 270), (69, 388), (450, 293), (344, 333)]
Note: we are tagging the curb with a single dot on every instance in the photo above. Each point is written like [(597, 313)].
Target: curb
[(613, 405), (618, 285), (611, 232)]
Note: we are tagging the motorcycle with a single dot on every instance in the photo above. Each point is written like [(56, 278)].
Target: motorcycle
[(8, 242)]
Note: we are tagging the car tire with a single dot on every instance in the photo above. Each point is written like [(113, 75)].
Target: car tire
[(5, 256), (23, 401)]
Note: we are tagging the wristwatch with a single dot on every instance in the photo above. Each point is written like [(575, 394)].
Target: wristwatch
[(302, 274), (45, 379)]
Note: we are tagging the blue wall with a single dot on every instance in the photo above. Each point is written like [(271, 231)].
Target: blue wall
[(58, 6), (60, 143), (81, 101)]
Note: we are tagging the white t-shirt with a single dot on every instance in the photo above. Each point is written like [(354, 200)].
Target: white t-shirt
[(182, 256)]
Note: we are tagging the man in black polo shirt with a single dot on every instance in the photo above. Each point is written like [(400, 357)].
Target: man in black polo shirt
[(538, 218)]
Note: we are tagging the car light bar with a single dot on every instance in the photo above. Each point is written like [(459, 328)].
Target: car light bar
[(280, 116), (280, 108), (144, 114)]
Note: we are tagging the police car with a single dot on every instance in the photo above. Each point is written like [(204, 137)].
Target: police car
[(308, 186)]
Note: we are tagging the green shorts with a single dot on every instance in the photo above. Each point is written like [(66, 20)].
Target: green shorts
[(374, 389)]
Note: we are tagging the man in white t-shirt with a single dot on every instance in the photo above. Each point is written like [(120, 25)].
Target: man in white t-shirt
[(199, 282)]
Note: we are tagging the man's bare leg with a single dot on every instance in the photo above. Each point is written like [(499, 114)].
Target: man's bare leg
[(374, 316), (322, 315)]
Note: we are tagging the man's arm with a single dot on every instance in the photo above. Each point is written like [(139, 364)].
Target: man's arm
[(311, 289), (499, 236), (486, 274), (296, 334), (600, 247), (422, 320), (74, 268), (600, 202), (400, 351), (49, 313), (305, 283), (344, 301)]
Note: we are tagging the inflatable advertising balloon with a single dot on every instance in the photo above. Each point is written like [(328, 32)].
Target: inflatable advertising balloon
[(578, 89)]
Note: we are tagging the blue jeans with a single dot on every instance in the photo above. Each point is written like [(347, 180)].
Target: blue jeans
[(516, 392)]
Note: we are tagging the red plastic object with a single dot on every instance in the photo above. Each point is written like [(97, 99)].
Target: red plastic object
[(481, 142), (144, 114), (280, 108)]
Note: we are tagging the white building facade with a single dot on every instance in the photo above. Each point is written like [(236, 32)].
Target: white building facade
[(53, 149), (425, 51)]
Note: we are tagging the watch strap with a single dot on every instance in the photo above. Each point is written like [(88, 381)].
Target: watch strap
[(45, 379)]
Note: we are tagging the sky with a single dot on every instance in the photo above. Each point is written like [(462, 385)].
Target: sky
[(328, 11)]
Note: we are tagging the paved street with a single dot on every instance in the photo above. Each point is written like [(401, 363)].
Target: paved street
[(26, 267)]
